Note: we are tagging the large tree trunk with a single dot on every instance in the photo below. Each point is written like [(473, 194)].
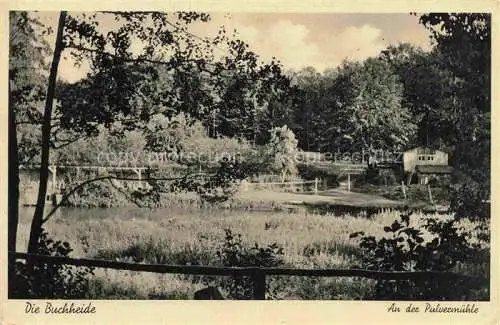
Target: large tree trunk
[(13, 194), (36, 224)]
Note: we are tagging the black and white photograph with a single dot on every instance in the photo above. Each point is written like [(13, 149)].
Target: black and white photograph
[(211, 155)]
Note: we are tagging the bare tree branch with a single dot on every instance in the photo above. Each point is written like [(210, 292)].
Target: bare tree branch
[(66, 142), (198, 62), (110, 177), (124, 193), (136, 60), (177, 28), (28, 122)]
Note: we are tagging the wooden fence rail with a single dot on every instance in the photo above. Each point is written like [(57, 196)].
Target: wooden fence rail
[(282, 183), (315, 182), (257, 274)]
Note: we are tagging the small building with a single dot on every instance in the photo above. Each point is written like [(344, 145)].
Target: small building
[(426, 164), (433, 174)]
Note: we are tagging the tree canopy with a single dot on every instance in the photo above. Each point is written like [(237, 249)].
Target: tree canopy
[(172, 71)]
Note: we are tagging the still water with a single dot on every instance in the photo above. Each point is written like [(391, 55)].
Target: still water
[(131, 213)]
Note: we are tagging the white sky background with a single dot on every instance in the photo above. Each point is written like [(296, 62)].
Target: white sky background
[(298, 40)]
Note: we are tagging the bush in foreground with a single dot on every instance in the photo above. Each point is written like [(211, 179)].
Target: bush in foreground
[(406, 248), (50, 281), (234, 253)]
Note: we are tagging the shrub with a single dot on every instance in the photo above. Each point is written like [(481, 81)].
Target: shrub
[(50, 281), (216, 188), (99, 194), (405, 249), (234, 253), (377, 176), (468, 200)]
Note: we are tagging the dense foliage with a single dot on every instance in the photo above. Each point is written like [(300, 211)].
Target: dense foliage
[(463, 41), (235, 253), (438, 245), (50, 281)]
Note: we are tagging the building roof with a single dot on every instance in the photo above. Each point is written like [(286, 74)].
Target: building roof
[(433, 169), (424, 151)]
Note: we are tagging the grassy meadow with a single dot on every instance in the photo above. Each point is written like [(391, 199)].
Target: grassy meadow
[(191, 235)]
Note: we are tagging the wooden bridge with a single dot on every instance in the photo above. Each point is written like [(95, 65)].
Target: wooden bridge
[(29, 179)]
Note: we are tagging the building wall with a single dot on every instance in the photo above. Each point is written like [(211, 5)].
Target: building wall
[(421, 156), (441, 179)]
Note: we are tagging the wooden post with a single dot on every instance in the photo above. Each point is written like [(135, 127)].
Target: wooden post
[(53, 188), (259, 285), (138, 171), (430, 194), (348, 182), (139, 175), (316, 186), (54, 178), (403, 188)]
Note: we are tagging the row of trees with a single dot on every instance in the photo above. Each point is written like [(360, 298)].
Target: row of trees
[(406, 97), (402, 98)]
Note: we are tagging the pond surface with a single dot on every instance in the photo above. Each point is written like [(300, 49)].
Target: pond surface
[(128, 213)]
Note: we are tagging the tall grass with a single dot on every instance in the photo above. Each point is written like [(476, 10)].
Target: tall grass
[(192, 237)]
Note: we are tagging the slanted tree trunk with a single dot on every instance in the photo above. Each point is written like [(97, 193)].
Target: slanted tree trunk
[(36, 224)]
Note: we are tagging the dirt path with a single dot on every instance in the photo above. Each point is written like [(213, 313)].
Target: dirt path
[(359, 199)]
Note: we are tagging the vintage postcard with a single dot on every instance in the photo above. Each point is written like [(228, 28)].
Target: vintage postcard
[(323, 162)]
